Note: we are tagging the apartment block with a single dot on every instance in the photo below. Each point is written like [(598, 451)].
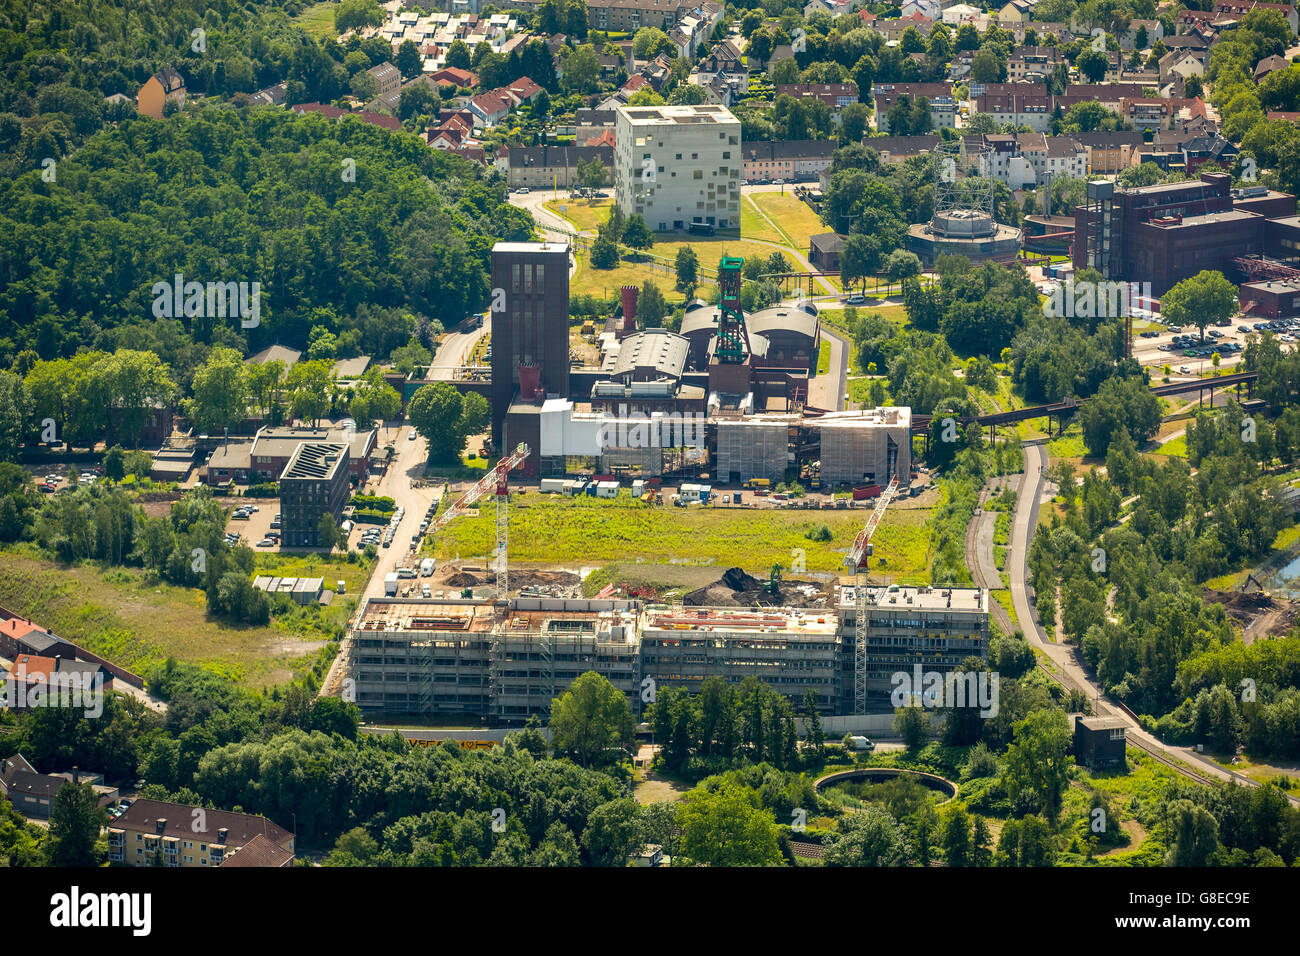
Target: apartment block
[(190, 836), (942, 104), (314, 483), (676, 165)]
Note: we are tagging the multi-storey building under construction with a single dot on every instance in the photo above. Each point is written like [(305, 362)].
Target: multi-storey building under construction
[(468, 659)]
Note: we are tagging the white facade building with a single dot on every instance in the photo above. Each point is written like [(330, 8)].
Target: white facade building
[(678, 164)]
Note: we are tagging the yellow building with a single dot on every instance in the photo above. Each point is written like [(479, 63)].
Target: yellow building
[(164, 85), (189, 836)]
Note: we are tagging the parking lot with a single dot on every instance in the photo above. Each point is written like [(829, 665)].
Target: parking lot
[(1184, 352)]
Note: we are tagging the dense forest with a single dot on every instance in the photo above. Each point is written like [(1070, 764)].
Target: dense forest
[(225, 194)]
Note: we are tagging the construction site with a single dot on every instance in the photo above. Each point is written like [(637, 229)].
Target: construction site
[(498, 659)]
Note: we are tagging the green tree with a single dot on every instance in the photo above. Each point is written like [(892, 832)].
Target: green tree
[(475, 415), (613, 831), (1206, 298), (581, 70), (651, 307), (1037, 764), (435, 410), (726, 827), (309, 386), (75, 820), (687, 267), (637, 234), (592, 720), (1193, 833), (913, 726), (220, 392)]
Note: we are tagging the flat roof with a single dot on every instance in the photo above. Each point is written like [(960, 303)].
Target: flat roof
[(451, 616), (551, 246), (316, 460), (922, 598), (769, 620), (682, 115)]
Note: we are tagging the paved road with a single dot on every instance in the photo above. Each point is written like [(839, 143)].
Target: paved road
[(828, 391), (407, 467), (1068, 668), (979, 548)]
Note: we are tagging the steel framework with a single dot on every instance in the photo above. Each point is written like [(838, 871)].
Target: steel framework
[(857, 559)]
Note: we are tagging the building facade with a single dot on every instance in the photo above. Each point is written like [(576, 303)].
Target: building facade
[(187, 836), (676, 165), (530, 325), (314, 483)]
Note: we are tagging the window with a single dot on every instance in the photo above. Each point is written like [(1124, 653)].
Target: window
[(698, 174), (514, 277)]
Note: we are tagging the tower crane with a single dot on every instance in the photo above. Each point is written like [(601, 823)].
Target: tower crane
[(494, 480), (857, 560)]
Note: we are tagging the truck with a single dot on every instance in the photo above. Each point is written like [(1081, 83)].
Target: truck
[(426, 568), (866, 492), (754, 483), (390, 584)]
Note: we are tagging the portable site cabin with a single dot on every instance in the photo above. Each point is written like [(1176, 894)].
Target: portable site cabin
[(552, 486), (607, 489)]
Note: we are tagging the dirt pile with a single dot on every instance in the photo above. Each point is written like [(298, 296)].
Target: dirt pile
[(738, 589), (1259, 614)]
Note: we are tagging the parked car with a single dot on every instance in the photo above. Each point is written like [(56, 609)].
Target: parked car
[(1184, 370)]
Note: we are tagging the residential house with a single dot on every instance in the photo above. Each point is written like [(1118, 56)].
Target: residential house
[(1183, 63), (960, 13), (1109, 152), (835, 95), (164, 85), (1208, 149), (489, 109), (1270, 64), (628, 16), (943, 107), (1033, 64), (894, 29), (32, 794), (833, 7), (271, 96), (187, 836), (539, 167), (795, 160), (388, 78), (390, 123), (1155, 30), (931, 9), (1015, 12), (724, 57), (451, 76), (1239, 8), (1017, 104)]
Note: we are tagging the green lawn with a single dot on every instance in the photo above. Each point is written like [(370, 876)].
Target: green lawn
[(318, 20), (824, 358), (558, 530), (585, 215), (792, 216), (606, 282), (122, 616), (753, 225)]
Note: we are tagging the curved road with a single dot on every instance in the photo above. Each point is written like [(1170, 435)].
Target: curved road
[(1068, 670)]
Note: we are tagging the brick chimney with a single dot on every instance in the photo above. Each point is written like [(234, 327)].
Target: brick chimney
[(630, 293)]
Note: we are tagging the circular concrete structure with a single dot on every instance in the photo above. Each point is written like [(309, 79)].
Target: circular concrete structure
[(879, 774), (1000, 242), (963, 224)]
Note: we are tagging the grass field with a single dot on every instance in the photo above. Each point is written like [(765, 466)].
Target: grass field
[(792, 216), (578, 531), (586, 215), (824, 358), (606, 282), (753, 225), (318, 20), (137, 624)]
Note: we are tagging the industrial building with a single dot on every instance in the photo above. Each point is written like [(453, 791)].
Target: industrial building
[(530, 328), (676, 165), (1166, 233), (313, 483), (471, 659)]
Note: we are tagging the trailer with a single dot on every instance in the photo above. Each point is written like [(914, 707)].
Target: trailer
[(390, 584), (552, 486), (866, 492), (426, 568)]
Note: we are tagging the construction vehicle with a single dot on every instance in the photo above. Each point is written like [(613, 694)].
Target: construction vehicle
[(774, 583), (495, 481), (857, 560), (755, 483)]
